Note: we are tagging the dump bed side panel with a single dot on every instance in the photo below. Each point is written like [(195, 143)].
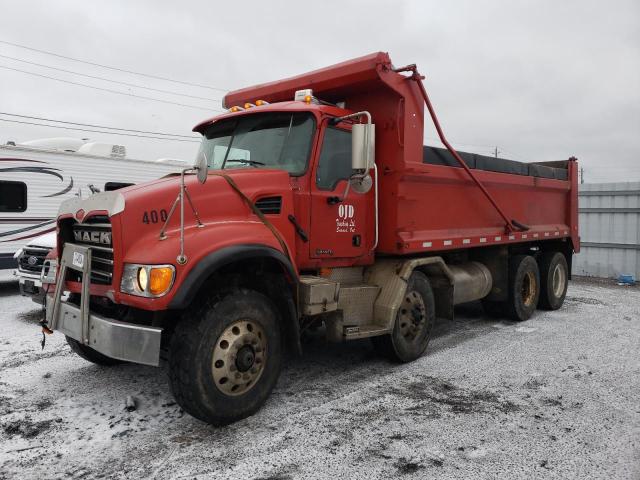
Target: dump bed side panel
[(439, 208)]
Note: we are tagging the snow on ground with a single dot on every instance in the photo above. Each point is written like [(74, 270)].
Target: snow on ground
[(7, 275), (554, 397)]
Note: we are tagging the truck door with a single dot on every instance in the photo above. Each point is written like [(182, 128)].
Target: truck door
[(339, 228)]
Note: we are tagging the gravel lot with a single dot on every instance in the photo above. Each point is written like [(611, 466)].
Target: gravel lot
[(554, 397)]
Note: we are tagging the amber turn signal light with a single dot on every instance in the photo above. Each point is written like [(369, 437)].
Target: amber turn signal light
[(160, 279)]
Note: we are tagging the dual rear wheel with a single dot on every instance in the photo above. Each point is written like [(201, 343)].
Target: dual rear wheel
[(532, 284)]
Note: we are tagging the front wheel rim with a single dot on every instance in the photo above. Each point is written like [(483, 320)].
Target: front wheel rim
[(239, 357), (412, 317)]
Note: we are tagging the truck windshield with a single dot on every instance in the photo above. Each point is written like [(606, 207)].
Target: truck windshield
[(280, 140)]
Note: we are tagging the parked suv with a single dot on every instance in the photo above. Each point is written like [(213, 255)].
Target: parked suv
[(30, 263)]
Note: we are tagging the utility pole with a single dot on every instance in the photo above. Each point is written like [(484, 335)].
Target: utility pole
[(581, 174)]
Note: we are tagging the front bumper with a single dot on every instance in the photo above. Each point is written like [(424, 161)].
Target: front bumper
[(31, 286), (113, 338)]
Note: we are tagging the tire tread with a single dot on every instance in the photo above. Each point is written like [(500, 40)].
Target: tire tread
[(546, 261)]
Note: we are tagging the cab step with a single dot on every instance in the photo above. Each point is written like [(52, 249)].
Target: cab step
[(356, 303), (363, 331), (354, 316)]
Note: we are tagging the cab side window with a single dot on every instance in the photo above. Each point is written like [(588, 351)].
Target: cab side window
[(335, 159)]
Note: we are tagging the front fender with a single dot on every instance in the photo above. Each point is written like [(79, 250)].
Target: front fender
[(218, 259), (206, 249)]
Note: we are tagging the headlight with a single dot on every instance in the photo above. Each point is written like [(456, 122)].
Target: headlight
[(147, 280), (143, 279)]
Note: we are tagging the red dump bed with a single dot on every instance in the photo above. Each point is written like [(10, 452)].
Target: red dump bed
[(427, 202)]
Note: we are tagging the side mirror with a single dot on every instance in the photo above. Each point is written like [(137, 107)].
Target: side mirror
[(363, 146), (201, 167)]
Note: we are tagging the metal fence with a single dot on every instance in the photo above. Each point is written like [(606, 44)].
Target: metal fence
[(609, 230)]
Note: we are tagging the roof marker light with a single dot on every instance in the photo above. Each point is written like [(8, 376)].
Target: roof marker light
[(301, 95)]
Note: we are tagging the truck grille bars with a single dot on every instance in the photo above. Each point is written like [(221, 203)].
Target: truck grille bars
[(96, 233)]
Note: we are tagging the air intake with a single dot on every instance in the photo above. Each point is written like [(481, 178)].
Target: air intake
[(269, 205)]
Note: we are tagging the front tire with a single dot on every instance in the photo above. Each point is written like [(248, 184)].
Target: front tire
[(414, 322), (225, 358), (91, 355), (554, 280)]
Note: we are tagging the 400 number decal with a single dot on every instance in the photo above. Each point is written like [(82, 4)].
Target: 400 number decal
[(154, 216)]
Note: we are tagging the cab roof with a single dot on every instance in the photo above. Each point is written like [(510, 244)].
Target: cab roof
[(290, 106)]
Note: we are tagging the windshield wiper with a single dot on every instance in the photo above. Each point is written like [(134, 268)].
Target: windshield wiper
[(253, 163)]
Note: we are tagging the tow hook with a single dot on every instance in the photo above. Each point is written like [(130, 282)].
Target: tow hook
[(45, 330)]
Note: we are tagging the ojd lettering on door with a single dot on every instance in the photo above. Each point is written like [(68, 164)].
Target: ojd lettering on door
[(346, 222)]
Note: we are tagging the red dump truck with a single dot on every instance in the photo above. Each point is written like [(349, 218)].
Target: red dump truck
[(313, 201)]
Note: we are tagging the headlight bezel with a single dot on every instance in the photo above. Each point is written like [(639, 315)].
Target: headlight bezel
[(130, 282)]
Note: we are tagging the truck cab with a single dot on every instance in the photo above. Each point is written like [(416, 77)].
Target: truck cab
[(312, 142)]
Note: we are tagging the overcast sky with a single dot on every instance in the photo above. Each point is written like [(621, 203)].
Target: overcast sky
[(541, 80)]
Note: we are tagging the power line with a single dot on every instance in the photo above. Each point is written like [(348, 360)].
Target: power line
[(97, 126), (110, 80), (157, 77), (109, 90), (98, 131)]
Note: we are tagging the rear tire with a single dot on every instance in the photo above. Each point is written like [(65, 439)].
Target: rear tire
[(554, 280), (524, 287), (225, 358), (413, 324), (90, 355)]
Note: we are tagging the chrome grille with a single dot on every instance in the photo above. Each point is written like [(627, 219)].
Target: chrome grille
[(96, 233), (32, 259)]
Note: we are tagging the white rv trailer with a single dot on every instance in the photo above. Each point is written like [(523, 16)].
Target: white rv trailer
[(34, 180)]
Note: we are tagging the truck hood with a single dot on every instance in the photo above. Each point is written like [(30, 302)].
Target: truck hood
[(211, 198), (160, 194), (137, 215), (147, 207)]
